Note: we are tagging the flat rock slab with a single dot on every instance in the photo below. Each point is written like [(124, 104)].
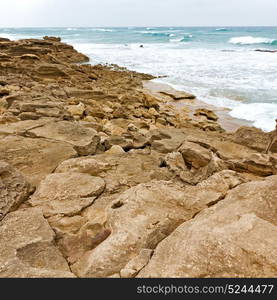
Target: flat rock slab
[(34, 158), (84, 140), (14, 189), (27, 247), (67, 193), (120, 171)]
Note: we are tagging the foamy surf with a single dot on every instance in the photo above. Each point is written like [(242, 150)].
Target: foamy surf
[(250, 40)]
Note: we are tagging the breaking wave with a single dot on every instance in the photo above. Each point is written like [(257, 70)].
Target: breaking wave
[(250, 40)]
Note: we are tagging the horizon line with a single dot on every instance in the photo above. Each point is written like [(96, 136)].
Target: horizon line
[(146, 26)]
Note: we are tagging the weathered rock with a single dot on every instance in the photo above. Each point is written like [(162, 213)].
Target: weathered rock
[(27, 247), (84, 140), (34, 158), (76, 110), (57, 193), (195, 155), (138, 221), (230, 239), (52, 38), (121, 170), (209, 114), (50, 70), (29, 56), (14, 189), (258, 164), (253, 138), (115, 150), (166, 140), (89, 165), (4, 57), (178, 95)]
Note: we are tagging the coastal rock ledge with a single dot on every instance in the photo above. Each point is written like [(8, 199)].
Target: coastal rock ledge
[(102, 177)]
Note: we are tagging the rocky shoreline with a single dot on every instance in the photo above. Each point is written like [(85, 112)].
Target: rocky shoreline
[(102, 177)]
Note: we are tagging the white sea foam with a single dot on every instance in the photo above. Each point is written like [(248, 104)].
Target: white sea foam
[(103, 30), (250, 40), (261, 114)]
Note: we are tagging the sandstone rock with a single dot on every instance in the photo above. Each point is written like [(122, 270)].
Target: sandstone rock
[(27, 247), (34, 158), (115, 150), (4, 39), (39, 109), (195, 155), (177, 95), (258, 164), (29, 56), (230, 239), (57, 193), (137, 221), (4, 57), (14, 189), (209, 114), (120, 141), (84, 94), (50, 70), (52, 38), (253, 138), (120, 171), (88, 165), (152, 111), (166, 140), (84, 140), (136, 264), (4, 91), (76, 110)]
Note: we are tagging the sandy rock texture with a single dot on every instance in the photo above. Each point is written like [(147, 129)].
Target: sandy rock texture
[(101, 176)]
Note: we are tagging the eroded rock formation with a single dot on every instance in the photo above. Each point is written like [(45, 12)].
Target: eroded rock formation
[(101, 177)]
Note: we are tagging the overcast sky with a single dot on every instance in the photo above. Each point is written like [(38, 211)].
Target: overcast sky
[(74, 13)]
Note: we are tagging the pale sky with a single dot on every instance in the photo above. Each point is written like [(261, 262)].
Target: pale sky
[(86, 13)]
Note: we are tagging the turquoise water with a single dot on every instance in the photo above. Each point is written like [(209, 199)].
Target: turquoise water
[(219, 65)]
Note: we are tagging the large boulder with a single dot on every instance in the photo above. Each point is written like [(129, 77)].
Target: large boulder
[(27, 247), (235, 238), (14, 189)]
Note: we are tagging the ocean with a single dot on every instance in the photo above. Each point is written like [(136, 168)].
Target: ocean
[(218, 65)]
